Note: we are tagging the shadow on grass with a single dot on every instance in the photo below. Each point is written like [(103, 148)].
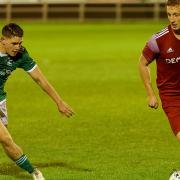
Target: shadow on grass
[(63, 165), (13, 170)]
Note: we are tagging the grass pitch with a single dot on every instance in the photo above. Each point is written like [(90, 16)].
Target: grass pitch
[(114, 135)]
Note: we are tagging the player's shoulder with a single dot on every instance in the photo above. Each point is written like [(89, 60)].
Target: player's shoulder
[(161, 36), (162, 33)]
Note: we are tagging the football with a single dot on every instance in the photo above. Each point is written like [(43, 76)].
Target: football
[(175, 175)]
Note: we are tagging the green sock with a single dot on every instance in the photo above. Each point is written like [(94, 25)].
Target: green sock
[(24, 163)]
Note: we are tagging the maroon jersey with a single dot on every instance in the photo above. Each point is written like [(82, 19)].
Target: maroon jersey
[(164, 47)]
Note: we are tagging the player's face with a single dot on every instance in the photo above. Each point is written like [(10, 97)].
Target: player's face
[(12, 45), (173, 13)]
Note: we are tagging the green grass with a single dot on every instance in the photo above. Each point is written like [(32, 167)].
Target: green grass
[(114, 135)]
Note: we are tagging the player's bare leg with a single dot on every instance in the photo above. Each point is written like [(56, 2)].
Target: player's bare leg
[(11, 149), (16, 154)]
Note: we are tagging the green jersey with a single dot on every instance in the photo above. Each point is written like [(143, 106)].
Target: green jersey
[(9, 64)]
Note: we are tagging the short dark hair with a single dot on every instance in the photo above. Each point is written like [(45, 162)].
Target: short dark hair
[(11, 30), (173, 2)]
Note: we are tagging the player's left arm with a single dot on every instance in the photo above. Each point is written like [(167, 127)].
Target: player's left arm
[(41, 80)]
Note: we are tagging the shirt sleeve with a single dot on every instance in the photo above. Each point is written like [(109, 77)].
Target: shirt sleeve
[(27, 63), (151, 49)]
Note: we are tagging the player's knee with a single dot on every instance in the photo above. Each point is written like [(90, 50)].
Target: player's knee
[(178, 135)]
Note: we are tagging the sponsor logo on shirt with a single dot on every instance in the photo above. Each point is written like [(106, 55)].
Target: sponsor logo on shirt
[(8, 72), (172, 60), (9, 63), (2, 73), (5, 72)]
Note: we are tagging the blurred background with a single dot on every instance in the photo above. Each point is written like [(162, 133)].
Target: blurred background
[(82, 10)]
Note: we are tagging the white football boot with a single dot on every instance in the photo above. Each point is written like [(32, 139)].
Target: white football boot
[(37, 175), (175, 175)]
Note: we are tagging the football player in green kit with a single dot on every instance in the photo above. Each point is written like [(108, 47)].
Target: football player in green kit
[(12, 56)]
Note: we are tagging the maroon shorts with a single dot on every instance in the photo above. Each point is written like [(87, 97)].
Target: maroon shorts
[(171, 106)]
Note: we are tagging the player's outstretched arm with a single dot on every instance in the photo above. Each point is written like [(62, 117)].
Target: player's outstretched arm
[(145, 76), (40, 79)]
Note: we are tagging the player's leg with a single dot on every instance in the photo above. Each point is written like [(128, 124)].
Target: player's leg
[(11, 149), (16, 154)]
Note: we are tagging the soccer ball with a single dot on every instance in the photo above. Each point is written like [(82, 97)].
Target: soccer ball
[(175, 175)]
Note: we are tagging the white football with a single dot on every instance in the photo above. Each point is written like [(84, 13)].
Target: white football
[(175, 175)]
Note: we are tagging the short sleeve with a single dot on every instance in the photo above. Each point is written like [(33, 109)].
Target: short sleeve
[(27, 63), (151, 49)]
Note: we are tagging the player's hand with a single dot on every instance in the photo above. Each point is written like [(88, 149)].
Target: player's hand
[(65, 109), (153, 102)]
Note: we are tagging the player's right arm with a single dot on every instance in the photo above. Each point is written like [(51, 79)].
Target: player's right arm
[(146, 78)]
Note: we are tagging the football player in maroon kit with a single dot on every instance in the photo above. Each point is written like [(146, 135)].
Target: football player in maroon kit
[(164, 47)]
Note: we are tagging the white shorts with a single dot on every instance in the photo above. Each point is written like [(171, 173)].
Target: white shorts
[(3, 112)]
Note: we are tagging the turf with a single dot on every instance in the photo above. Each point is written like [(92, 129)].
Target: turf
[(114, 135)]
